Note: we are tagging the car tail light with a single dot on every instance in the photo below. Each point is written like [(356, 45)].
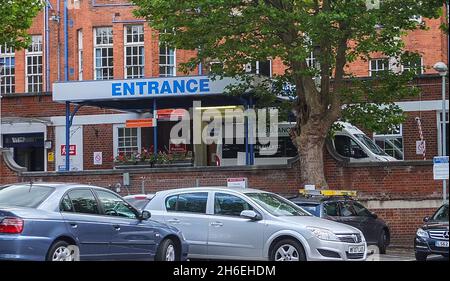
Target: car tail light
[(11, 225)]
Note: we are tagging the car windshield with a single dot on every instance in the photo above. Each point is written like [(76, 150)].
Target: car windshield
[(28, 195), (138, 203), (276, 205), (370, 144), (441, 214)]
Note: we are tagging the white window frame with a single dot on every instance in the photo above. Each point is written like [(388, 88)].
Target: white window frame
[(439, 128), (116, 128), (139, 44), (36, 51), (109, 45), (174, 66), (10, 55), (80, 54), (378, 59), (421, 66)]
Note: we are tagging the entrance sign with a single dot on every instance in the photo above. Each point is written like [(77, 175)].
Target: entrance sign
[(440, 168), (237, 182), (141, 123), (105, 90)]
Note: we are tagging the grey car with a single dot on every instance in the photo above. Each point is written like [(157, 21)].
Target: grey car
[(249, 224)]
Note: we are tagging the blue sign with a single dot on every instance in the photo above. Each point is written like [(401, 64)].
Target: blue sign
[(440, 160), (165, 87)]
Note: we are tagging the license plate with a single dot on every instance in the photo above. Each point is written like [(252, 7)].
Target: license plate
[(356, 249), (442, 244)]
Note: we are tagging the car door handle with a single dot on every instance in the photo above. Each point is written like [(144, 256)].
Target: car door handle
[(73, 224), (216, 224), (116, 227), (174, 221)]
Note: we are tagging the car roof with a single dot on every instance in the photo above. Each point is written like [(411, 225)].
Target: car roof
[(212, 188), (59, 185)]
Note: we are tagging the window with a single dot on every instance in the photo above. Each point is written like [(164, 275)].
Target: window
[(347, 209), (167, 61), (103, 52), (331, 209), (134, 51), (29, 196), (414, 65), (347, 147), (83, 201), (66, 204), (313, 209), (441, 214), (360, 210), (378, 65), (128, 141), (263, 68), (276, 205), (391, 142), (188, 202), (80, 55), (34, 65), (114, 206), (7, 70), (229, 205)]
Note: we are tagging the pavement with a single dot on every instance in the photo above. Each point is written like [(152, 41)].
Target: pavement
[(398, 254)]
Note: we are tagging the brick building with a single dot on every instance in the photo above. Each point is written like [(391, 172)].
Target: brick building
[(105, 41)]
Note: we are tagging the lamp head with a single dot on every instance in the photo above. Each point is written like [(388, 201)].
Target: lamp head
[(441, 68)]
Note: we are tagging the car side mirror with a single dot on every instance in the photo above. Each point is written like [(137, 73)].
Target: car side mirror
[(426, 219), (250, 214), (145, 215)]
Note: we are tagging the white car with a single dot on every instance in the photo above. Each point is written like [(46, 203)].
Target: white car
[(249, 224)]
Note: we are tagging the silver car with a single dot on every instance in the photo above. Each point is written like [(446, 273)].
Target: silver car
[(249, 224)]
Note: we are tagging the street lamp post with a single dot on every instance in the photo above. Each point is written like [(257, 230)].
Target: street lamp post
[(443, 69)]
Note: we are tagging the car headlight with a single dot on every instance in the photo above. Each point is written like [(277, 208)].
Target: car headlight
[(422, 233), (323, 234)]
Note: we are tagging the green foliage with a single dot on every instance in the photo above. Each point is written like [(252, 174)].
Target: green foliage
[(16, 17), (238, 32)]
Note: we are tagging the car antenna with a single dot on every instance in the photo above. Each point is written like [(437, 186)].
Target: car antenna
[(31, 185)]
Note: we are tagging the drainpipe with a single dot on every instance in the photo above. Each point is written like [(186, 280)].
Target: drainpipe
[(66, 43), (58, 56), (47, 48)]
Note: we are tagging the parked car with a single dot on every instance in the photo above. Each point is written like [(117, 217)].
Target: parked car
[(346, 210), (249, 224), (66, 222), (139, 201), (432, 237)]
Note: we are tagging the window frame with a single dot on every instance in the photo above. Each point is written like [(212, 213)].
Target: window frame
[(372, 71), (73, 207), (184, 193), (165, 65), (409, 68), (254, 208), (9, 54), (80, 52), (383, 137), (116, 138), (102, 46), (38, 54), (102, 209), (138, 45)]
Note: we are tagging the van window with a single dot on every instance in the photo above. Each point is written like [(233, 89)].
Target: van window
[(347, 147), (370, 144), (188, 202)]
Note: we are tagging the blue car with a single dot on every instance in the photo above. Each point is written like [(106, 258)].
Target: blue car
[(70, 222)]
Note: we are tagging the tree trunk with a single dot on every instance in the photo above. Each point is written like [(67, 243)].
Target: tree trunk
[(310, 146)]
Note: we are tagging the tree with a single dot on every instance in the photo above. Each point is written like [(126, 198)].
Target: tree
[(338, 32), (16, 17)]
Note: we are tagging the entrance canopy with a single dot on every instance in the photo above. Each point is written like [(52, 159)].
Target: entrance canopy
[(138, 95)]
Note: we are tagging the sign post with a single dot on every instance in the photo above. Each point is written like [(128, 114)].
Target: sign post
[(440, 172)]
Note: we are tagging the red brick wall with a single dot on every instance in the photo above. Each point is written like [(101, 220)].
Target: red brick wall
[(98, 138)]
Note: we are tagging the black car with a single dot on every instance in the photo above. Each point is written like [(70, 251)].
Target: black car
[(346, 210), (432, 237)]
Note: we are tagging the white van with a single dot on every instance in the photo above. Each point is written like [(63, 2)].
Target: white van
[(350, 142)]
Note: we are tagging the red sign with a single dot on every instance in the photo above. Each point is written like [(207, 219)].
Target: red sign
[(72, 150), (140, 123), (180, 148), (165, 114)]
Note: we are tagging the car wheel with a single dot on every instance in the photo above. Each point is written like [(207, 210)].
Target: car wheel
[(421, 256), (383, 242), (167, 251), (63, 251), (288, 250)]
